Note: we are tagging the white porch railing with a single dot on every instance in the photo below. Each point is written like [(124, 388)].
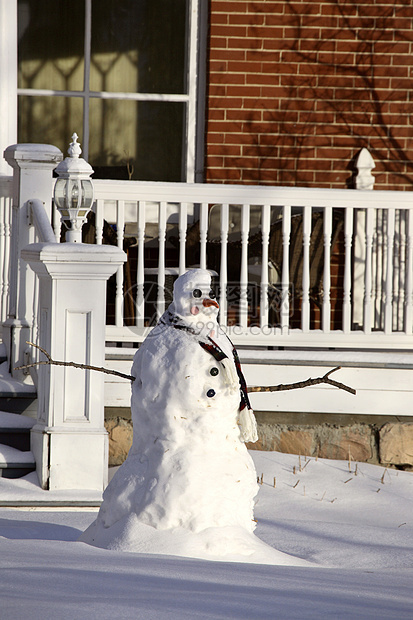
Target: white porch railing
[(294, 266)]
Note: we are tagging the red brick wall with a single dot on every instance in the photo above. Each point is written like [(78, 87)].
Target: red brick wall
[(296, 89)]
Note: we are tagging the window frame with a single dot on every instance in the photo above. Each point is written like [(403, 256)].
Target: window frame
[(193, 100)]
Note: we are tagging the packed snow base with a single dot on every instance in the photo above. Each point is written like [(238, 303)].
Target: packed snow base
[(189, 481)]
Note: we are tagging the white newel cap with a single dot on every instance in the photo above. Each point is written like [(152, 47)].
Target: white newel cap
[(32, 154), (364, 164)]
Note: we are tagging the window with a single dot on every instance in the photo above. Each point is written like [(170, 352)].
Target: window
[(121, 73)]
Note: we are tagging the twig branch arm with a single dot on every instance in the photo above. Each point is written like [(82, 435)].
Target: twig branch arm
[(270, 388), (53, 362), (303, 384)]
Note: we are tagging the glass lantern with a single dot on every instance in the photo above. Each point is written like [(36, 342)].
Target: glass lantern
[(73, 192)]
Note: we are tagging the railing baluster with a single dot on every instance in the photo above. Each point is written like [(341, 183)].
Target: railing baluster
[(388, 308), (326, 317), (140, 293), (400, 284), (265, 231), (203, 234), (160, 307), (305, 302), (56, 223), (378, 267), (183, 209), (348, 241), (100, 209), (396, 248), (120, 227), (367, 314), (34, 328), (285, 284), (243, 301), (223, 266), (5, 287), (3, 207), (408, 300)]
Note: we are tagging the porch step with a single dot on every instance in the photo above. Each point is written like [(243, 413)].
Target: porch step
[(16, 460), (15, 430), (16, 400), (16, 397), (15, 463)]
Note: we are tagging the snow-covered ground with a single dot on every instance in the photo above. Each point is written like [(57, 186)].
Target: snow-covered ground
[(354, 528)]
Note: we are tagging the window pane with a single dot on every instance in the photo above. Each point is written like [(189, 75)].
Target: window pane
[(51, 44), (50, 120), (138, 46), (137, 140)]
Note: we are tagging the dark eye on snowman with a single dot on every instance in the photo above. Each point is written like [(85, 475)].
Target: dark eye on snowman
[(197, 293), (212, 294)]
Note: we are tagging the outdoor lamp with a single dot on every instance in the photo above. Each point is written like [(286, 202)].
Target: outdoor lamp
[(73, 192)]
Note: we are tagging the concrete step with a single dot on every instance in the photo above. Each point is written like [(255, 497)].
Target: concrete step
[(16, 397), (15, 463), (16, 460), (18, 405), (15, 430)]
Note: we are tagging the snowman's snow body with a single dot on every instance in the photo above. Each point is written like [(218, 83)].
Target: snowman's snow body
[(188, 466)]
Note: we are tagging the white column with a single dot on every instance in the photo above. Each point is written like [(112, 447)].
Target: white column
[(8, 79), (32, 178), (69, 440)]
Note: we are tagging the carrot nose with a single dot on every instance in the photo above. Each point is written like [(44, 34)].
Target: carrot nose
[(210, 302)]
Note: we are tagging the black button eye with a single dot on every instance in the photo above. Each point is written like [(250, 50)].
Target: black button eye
[(212, 294), (214, 371), (211, 393), (197, 293)]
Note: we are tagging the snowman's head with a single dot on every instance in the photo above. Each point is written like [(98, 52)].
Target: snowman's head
[(194, 300)]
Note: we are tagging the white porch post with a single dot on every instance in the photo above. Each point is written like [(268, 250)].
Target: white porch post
[(32, 178), (69, 441), (8, 78)]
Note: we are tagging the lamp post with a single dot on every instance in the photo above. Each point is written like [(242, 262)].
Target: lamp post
[(73, 192)]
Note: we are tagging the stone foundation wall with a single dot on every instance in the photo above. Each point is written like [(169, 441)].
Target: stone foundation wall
[(381, 440), (120, 438)]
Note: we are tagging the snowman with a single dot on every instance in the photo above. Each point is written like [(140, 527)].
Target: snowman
[(188, 484)]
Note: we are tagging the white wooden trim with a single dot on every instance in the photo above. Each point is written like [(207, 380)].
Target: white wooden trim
[(160, 307), (243, 298), (8, 79), (348, 238), (140, 297), (408, 313), (183, 210), (326, 312), (223, 281), (265, 230), (191, 112), (305, 303), (92, 94), (120, 225), (285, 281), (203, 234), (250, 194)]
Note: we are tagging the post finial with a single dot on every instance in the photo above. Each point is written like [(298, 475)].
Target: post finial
[(74, 149)]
